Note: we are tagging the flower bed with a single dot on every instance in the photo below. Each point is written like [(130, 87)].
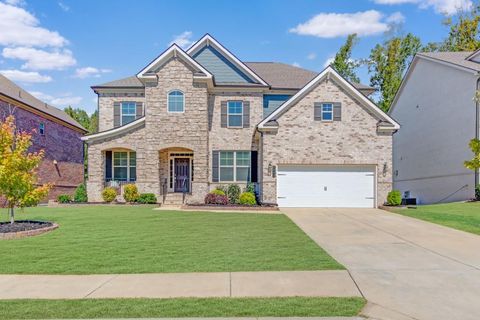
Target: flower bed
[(25, 228)]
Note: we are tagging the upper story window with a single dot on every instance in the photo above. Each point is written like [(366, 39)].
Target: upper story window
[(129, 112), (41, 128), (235, 114), (327, 112), (234, 166), (176, 101)]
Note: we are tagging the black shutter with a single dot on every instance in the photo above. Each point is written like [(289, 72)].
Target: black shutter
[(254, 166), (116, 114), (223, 114), (337, 111), (246, 114), (215, 166), (317, 111), (108, 165), (139, 110)]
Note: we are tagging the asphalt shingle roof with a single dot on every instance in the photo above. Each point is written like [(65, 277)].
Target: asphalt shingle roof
[(458, 58), (12, 90)]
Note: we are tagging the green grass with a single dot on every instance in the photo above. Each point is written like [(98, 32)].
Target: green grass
[(184, 307), (137, 239), (458, 215)]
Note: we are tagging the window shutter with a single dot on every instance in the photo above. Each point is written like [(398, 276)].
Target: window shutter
[(317, 111), (254, 166), (223, 114), (108, 165), (116, 114), (139, 111), (215, 158), (246, 114), (337, 111)]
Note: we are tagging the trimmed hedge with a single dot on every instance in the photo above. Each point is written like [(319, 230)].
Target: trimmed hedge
[(130, 192), (247, 198), (64, 198), (147, 198), (109, 194), (394, 198)]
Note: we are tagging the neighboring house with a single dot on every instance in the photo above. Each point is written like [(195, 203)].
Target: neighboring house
[(53, 131), (192, 120), (439, 116)]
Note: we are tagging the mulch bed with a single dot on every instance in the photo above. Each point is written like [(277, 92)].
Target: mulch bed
[(24, 228), (230, 207)]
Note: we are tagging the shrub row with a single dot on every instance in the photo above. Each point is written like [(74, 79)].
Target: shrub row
[(232, 194), (130, 194), (80, 195)]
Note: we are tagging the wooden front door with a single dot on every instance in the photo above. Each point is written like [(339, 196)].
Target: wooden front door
[(182, 175)]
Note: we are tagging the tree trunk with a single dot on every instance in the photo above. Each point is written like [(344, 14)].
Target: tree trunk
[(12, 215)]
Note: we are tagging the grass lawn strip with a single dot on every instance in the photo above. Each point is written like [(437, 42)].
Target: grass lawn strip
[(463, 216), (185, 307), (137, 239)]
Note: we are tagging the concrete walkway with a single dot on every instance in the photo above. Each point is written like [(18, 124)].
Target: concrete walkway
[(406, 268), (336, 283)]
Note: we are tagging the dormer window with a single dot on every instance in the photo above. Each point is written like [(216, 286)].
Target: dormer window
[(176, 101)]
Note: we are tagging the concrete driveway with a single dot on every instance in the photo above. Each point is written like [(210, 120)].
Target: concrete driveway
[(406, 268)]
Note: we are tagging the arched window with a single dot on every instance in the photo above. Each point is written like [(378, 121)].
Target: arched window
[(176, 101)]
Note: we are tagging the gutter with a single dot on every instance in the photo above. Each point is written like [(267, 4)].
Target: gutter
[(477, 125)]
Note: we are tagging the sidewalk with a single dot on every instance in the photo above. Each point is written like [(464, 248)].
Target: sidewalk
[(332, 283)]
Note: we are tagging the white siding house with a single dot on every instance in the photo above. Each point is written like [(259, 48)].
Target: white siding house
[(439, 117)]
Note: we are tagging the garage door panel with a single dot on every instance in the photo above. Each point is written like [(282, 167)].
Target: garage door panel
[(325, 186)]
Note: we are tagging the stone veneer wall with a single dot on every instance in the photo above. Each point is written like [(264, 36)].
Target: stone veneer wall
[(301, 140), (105, 108), (60, 143)]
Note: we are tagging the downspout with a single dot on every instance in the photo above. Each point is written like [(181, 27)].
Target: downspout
[(477, 125)]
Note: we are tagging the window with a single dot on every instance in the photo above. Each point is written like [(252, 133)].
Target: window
[(235, 114), (176, 101), (327, 112), (125, 166), (129, 112), (41, 128), (235, 166)]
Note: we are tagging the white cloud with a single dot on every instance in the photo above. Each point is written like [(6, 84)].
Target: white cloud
[(328, 61), (296, 64), (63, 6), (331, 25), (37, 59), (183, 40), (312, 56), (15, 2), (24, 30), (64, 100), (24, 76), (87, 72), (396, 18), (447, 7)]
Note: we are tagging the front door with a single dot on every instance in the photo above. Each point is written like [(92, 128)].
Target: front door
[(182, 175)]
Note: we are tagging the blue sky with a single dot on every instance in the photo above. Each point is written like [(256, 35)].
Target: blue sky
[(58, 49)]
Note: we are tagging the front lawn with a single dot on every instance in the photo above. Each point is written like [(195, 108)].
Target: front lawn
[(185, 307), (137, 239), (458, 215)]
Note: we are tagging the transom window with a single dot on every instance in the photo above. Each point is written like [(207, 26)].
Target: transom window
[(129, 112), (176, 101), (327, 112), (235, 114), (235, 166), (125, 166)]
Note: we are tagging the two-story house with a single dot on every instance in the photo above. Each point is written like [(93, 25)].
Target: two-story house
[(53, 131), (191, 120)]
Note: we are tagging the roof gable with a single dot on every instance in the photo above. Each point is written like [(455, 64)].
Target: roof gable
[(327, 73), (220, 51)]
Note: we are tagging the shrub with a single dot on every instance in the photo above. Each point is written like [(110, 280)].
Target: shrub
[(233, 193), (80, 194), (223, 188), (247, 198), (109, 194), (218, 192), (64, 198), (212, 198), (250, 188), (147, 198), (477, 192), (394, 198), (130, 193)]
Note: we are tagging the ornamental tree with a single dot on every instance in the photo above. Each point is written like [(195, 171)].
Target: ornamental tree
[(18, 178), (474, 164)]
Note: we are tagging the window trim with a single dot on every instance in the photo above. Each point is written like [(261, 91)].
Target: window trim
[(236, 114), (234, 166), (121, 112), (41, 127), (168, 101), (128, 165), (331, 111)]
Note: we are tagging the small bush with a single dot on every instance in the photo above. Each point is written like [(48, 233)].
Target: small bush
[(247, 198), (212, 198), (233, 193), (147, 198), (394, 198), (80, 194), (250, 188), (109, 194), (223, 188), (64, 198), (218, 192), (130, 193), (477, 192)]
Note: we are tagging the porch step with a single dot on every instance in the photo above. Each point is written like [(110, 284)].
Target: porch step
[(173, 199)]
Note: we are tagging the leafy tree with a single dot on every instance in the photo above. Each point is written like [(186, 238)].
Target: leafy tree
[(93, 127), (81, 116), (343, 62), (18, 179), (388, 63), (474, 164), (463, 34)]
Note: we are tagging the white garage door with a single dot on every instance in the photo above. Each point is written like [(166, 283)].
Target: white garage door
[(326, 186)]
